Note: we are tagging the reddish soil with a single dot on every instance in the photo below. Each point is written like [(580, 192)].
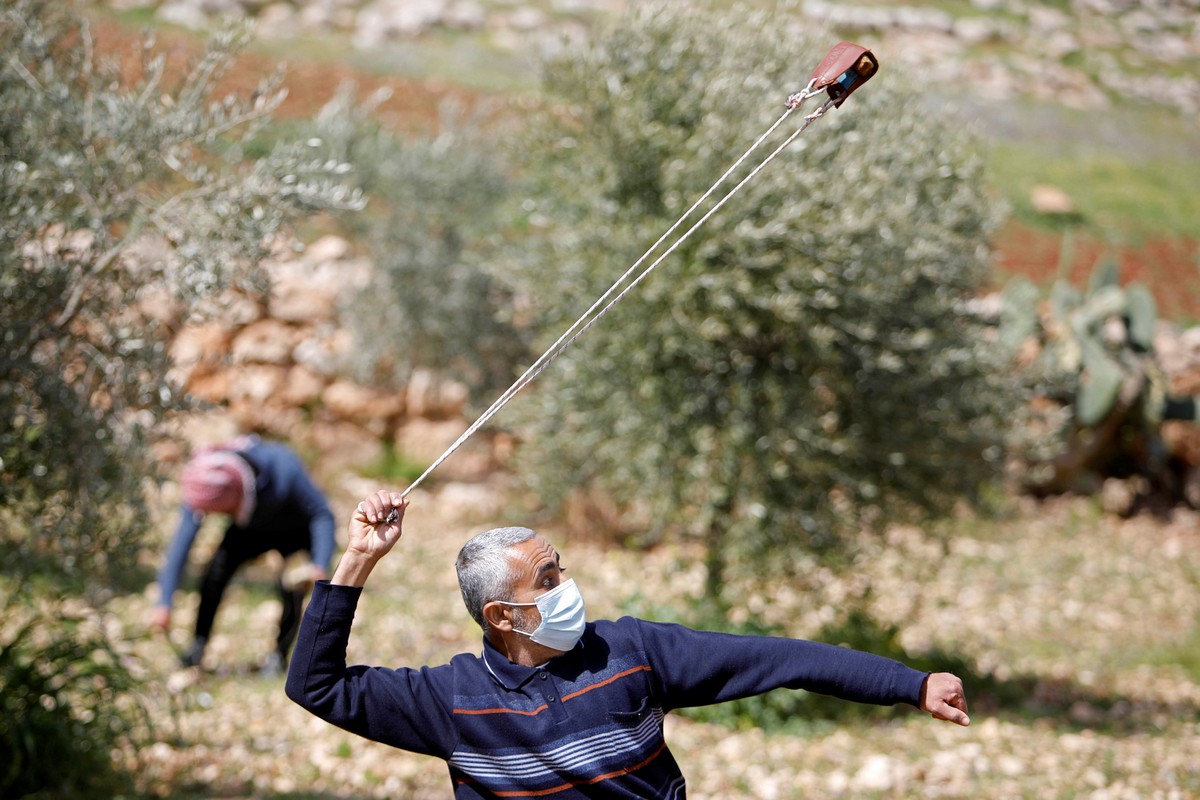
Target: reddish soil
[(413, 104), (1170, 268)]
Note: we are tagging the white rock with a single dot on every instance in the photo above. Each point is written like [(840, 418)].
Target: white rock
[(976, 30), (325, 351), (267, 341), (877, 774), (327, 248), (526, 19), (1047, 199), (185, 15), (278, 20), (465, 15)]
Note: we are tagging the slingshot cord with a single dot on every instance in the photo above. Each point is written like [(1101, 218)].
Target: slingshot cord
[(591, 316)]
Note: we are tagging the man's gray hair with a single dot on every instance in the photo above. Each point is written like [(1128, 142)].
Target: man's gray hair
[(485, 572)]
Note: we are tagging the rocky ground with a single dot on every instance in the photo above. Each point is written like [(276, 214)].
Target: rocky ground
[(1096, 620)]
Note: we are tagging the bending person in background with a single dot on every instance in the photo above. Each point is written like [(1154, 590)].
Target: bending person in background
[(556, 706), (273, 505)]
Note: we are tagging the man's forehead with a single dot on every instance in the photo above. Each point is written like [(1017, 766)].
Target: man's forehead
[(532, 553)]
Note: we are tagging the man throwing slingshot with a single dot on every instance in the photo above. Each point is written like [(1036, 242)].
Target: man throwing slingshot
[(554, 705)]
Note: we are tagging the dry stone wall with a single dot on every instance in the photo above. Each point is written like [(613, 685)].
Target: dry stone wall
[(278, 366)]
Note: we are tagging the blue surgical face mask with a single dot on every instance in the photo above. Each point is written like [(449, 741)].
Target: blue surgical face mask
[(563, 617)]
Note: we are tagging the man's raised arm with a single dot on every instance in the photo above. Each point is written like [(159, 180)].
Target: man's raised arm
[(401, 707)]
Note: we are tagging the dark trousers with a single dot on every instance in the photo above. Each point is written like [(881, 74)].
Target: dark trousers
[(237, 548)]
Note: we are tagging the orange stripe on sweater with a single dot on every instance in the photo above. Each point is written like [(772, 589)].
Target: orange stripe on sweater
[(543, 707), (639, 668), (533, 713)]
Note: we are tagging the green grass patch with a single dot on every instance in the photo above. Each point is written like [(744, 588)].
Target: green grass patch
[(1183, 652), (143, 17), (394, 465), (1130, 169), (1119, 197)]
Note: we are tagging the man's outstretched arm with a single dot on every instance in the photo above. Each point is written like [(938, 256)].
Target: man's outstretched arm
[(702, 667)]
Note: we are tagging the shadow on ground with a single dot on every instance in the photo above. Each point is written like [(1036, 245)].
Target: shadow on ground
[(1068, 705)]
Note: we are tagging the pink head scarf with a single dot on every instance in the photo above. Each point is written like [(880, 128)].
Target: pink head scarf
[(219, 481)]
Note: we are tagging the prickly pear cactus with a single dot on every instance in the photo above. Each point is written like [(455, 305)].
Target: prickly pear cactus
[(1100, 397), (1092, 341)]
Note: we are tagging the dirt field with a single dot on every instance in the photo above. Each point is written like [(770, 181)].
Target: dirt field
[(1170, 268)]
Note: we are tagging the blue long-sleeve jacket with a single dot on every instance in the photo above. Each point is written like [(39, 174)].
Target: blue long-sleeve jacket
[(588, 723), (287, 503)]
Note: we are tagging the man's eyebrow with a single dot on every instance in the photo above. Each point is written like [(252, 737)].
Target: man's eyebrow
[(547, 565)]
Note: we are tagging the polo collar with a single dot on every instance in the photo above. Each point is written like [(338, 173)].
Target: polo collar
[(513, 676), (509, 675)]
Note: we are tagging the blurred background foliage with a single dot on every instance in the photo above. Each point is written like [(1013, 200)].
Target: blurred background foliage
[(122, 192), (69, 703), (808, 362), (429, 231), (120, 197)]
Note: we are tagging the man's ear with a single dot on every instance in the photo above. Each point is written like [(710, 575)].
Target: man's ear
[(497, 616)]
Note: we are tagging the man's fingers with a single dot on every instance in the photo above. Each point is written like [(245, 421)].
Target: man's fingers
[(396, 512), (372, 508), (382, 506), (953, 709), (366, 510), (952, 714)]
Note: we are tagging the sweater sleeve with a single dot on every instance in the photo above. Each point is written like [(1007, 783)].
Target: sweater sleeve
[(172, 569), (405, 708), (696, 668), (320, 520)]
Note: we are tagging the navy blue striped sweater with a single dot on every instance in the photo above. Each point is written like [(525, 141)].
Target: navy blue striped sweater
[(588, 723)]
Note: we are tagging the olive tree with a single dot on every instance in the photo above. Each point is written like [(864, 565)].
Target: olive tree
[(121, 195), (123, 192), (436, 198), (804, 363)]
